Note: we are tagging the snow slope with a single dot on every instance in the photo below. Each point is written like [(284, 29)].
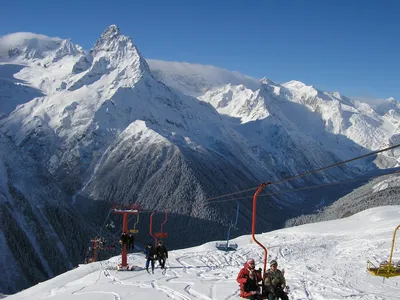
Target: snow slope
[(323, 261)]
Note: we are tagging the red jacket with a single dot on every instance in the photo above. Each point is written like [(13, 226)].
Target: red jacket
[(242, 279)]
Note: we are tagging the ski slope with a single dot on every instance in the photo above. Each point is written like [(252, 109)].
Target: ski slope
[(324, 260)]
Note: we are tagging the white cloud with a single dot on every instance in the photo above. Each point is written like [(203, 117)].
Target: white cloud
[(12, 40)]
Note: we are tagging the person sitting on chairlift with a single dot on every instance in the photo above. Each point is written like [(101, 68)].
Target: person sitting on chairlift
[(162, 254), (275, 282), (150, 253), (248, 279)]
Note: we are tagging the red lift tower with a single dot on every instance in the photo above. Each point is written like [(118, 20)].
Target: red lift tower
[(95, 246), (126, 211)]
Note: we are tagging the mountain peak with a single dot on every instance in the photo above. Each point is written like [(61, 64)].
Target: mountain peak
[(112, 51), (294, 84), (391, 99), (266, 80), (111, 32), (112, 40)]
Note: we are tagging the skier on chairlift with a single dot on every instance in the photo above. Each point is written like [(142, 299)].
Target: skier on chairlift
[(275, 282), (248, 279), (150, 253), (110, 226), (162, 254)]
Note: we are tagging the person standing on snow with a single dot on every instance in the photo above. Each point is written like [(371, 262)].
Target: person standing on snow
[(248, 279), (162, 254), (275, 282), (150, 253), (124, 238), (131, 242)]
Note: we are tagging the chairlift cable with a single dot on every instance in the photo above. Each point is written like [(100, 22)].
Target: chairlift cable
[(303, 188), (310, 172)]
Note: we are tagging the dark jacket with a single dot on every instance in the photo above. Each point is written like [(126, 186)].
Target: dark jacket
[(150, 252), (124, 238), (162, 251)]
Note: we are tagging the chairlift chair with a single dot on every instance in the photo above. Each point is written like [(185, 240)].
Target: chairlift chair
[(386, 268), (226, 246), (134, 230), (161, 234)]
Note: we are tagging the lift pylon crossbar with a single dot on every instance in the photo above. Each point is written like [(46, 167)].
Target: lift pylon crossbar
[(123, 211)]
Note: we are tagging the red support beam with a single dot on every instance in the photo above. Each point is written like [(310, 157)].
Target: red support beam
[(165, 219), (151, 228), (124, 254), (94, 246), (253, 226)]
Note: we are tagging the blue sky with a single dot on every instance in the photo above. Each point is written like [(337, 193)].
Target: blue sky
[(351, 46)]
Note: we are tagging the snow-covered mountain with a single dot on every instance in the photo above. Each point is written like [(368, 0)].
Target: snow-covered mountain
[(325, 260), (110, 116), (109, 125), (106, 129), (114, 115), (371, 126)]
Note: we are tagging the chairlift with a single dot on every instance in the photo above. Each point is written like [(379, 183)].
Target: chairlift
[(264, 292), (110, 226), (134, 230), (386, 268), (226, 246), (95, 246), (125, 211), (161, 234)]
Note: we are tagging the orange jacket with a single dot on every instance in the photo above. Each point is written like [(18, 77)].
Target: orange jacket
[(242, 279)]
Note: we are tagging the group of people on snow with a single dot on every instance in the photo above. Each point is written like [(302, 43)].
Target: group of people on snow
[(251, 279), (159, 253)]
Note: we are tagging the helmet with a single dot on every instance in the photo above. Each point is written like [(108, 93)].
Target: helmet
[(160, 242), (273, 262)]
